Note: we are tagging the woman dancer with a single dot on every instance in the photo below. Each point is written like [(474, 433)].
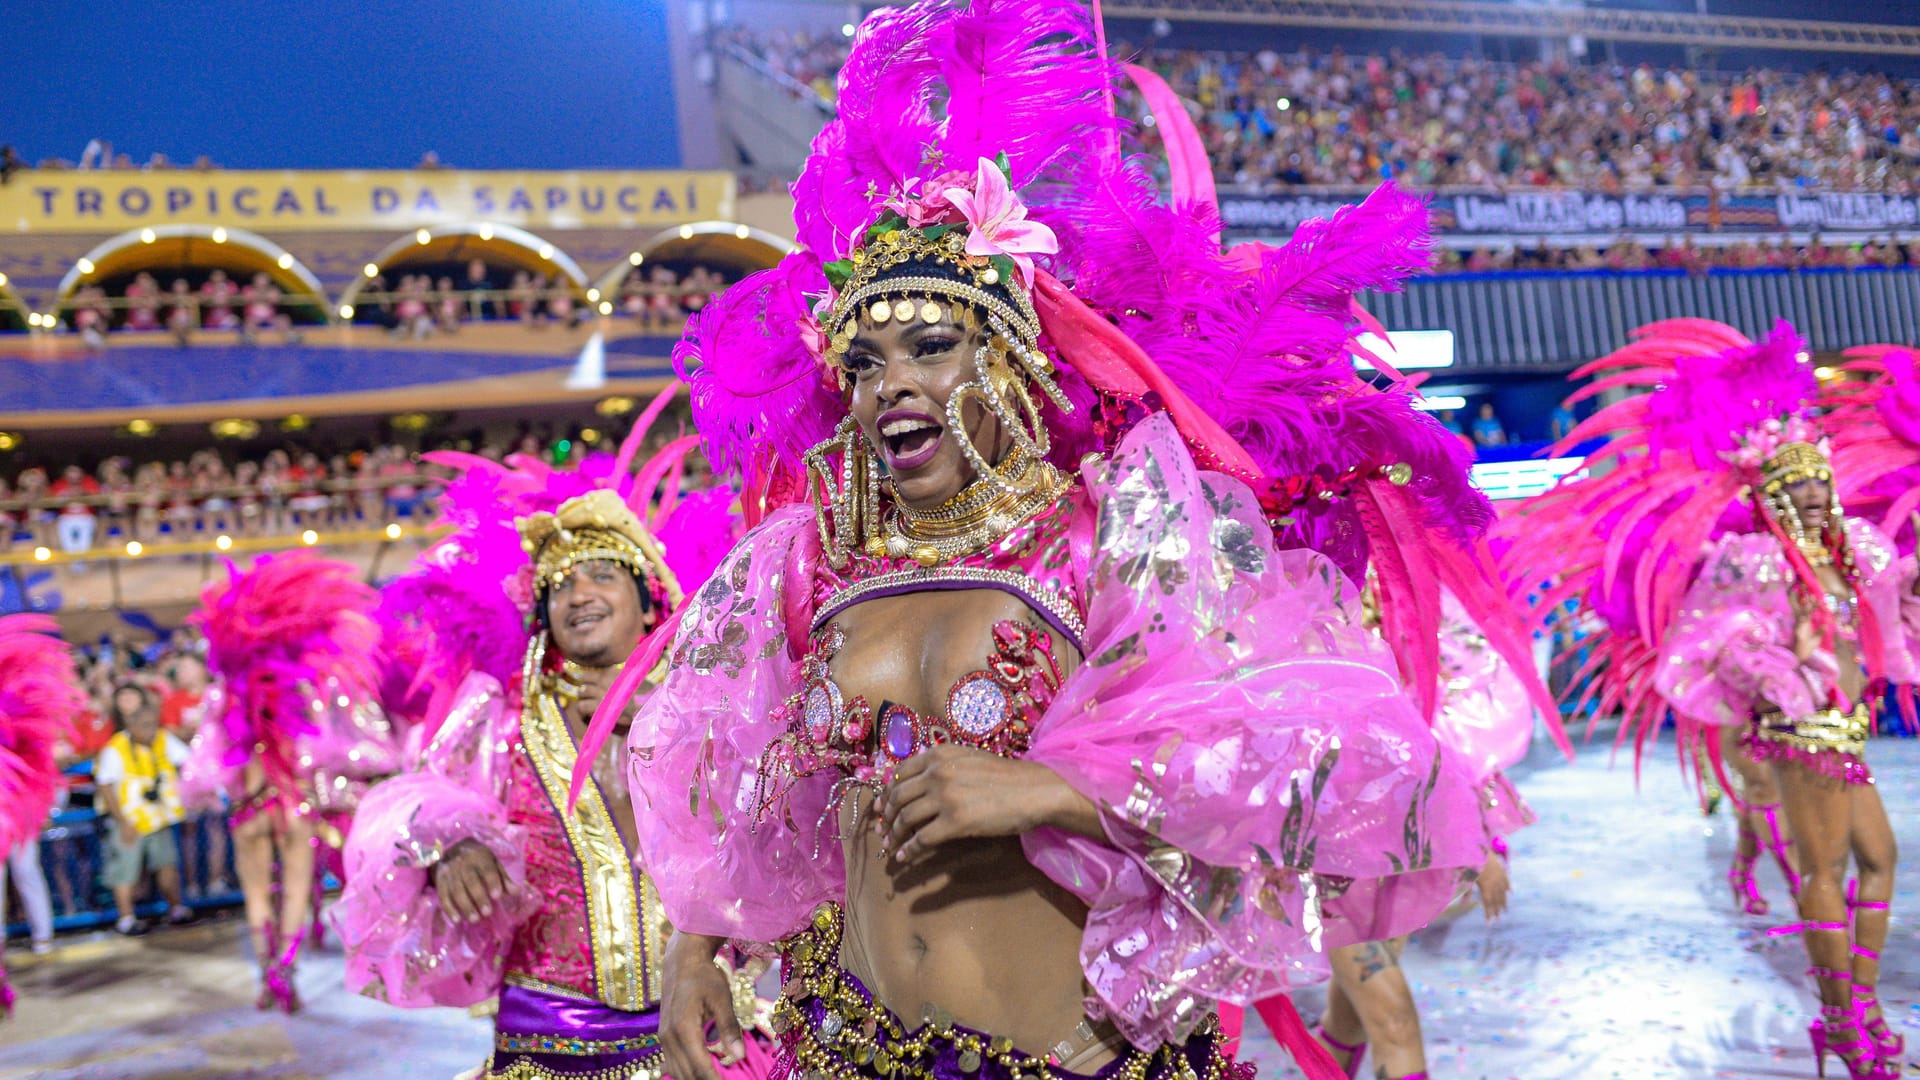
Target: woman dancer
[(40, 691), (1037, 750), (1790, 623), (290, 737)]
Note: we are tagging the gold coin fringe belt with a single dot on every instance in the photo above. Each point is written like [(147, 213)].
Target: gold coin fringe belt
[(1829, 742), (831, 1028)]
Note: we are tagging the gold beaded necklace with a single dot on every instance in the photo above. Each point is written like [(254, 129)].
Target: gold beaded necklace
[(983, 512)]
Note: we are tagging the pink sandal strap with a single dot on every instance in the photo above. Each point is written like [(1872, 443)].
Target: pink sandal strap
[(1340, 1046)]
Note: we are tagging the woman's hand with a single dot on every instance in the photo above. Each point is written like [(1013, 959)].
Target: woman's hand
[(951, 792), (1494, 885), (468, 879), (1806, 639), (697, 994)]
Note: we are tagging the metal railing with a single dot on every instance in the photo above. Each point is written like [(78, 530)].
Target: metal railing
[(1555, 321), (70, 856)]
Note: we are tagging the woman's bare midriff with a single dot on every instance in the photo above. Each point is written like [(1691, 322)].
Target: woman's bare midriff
[(1852, 680), (971, 931)]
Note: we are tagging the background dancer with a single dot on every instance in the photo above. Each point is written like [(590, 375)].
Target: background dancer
[(37, 696), (291, 731), (1790, 620), (473, 875)]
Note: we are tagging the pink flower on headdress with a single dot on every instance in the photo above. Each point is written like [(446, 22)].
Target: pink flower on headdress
[(519, 588), (998, 223)]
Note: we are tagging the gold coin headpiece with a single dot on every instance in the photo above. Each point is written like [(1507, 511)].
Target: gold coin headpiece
[(1793, 462), (597, 526), (904, 274)]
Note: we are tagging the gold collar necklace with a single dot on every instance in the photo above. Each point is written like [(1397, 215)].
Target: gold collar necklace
[(973, 520)]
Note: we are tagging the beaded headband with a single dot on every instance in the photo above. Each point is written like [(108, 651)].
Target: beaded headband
[(898, 274), (594, 527), (1793, 462)]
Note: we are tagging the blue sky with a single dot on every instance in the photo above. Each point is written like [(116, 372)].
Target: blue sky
[(535, 84)]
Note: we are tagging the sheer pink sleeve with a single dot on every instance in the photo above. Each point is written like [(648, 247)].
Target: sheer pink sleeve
[(1269, 791), (1486, 717), (1887, 580), (401, 947), (1729, 652), (210, 772), (695, 751)]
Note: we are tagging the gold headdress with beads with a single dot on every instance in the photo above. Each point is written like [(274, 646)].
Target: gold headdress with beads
[(937, 266), (597, 526), (1793, 462)]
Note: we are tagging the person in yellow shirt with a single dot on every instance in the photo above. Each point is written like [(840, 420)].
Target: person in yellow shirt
[(138, 784)]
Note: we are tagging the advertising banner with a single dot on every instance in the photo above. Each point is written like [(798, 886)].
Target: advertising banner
[(38, 201)]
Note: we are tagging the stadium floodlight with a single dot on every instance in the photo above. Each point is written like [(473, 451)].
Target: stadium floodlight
[(1407, 350), (1439, 403), (1521, 479)]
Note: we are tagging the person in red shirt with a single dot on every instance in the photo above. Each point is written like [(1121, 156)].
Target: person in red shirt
[(180, 702), (76, 521)]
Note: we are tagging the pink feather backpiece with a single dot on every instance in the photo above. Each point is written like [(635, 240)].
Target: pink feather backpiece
[(278, 634), (40, 695)]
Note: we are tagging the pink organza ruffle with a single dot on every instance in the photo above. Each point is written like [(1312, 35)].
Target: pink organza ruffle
[(1729, 653), (210, 775), (1277, 735), (1485, 716), (401, 946)]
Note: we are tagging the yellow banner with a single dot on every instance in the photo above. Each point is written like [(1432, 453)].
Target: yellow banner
[(92, 202)]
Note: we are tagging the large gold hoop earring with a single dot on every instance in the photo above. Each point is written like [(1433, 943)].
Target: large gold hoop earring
[(847, 513), (1030, 439)]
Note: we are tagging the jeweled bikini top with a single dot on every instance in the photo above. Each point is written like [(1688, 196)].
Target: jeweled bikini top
[(994, 708)]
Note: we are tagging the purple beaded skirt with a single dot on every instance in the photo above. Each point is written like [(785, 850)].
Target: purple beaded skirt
[(540, 1036), (830, 1025)]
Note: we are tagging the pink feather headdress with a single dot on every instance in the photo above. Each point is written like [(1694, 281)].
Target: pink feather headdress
[(39, 696), (1138, 306), (1873, 419), (1623, 536), (996, 120), (289, 628)]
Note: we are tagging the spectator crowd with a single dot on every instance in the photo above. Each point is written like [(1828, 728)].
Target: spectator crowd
[(1333, 118), (283, 492), (122, 798)]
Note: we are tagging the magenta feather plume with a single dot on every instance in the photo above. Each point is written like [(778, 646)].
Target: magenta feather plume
[(451, 613), (1623, 536), (279, 633), (883, 126), (1873, 420), (760, 398), (1022, 78), (699, 533), (40, 695)]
